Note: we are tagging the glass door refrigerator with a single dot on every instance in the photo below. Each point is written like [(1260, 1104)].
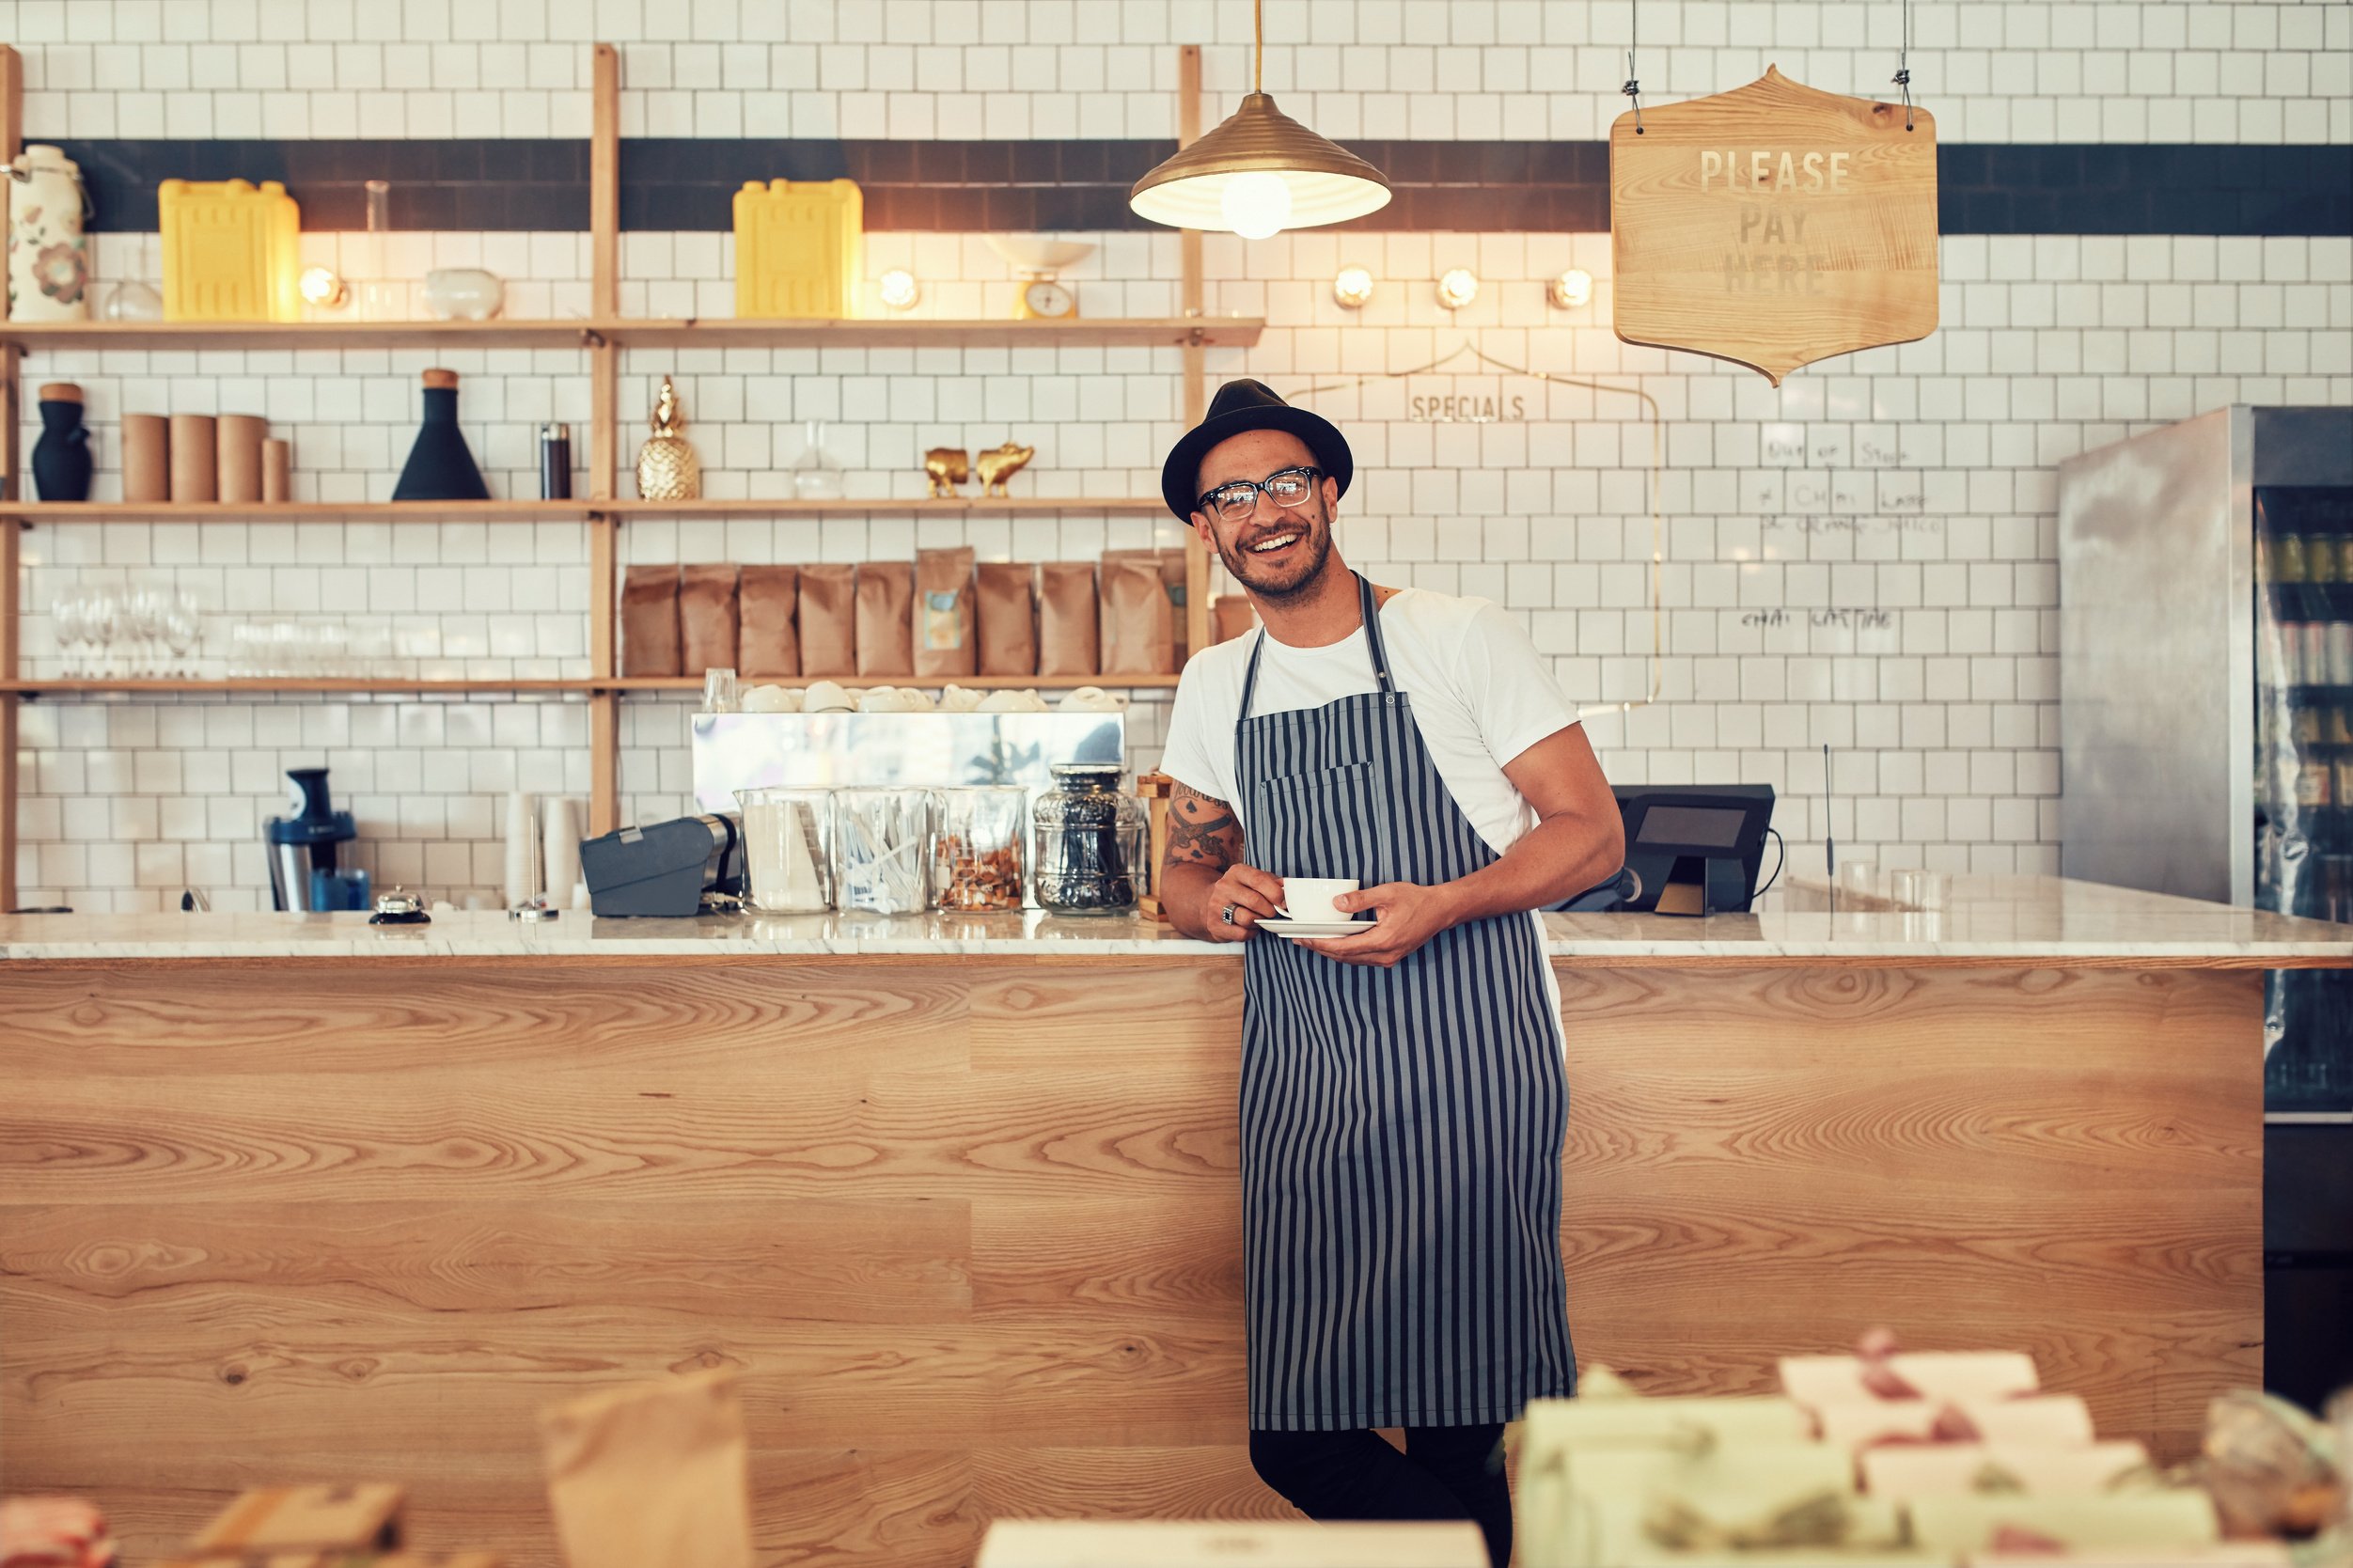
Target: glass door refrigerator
[(2206, 590)]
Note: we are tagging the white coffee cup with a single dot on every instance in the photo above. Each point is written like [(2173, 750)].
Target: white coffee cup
[(825, 697), (1310, 898)]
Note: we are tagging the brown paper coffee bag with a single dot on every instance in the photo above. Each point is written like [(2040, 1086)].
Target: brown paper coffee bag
[(706, 618), (1172, 567), (654, 1475), (828, 610), (1231, 616), (1008, 616), (1138, 634), (766, 643), (1067, 637), (885, 622), (649, 643), (944, 639)]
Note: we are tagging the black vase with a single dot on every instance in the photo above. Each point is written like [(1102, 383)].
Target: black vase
[(61, 457), (440, 466)]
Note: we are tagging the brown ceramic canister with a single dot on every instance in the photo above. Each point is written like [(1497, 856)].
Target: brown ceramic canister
[(277, 472), (193, 453), (146, 474), (240, 456)]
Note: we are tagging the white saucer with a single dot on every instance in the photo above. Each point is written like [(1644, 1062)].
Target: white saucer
[(1296, 929)]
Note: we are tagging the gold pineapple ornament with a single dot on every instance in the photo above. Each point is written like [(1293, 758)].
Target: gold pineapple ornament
[(667, 469)]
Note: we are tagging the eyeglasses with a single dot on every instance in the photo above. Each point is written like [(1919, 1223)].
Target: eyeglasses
[(1236, 499)]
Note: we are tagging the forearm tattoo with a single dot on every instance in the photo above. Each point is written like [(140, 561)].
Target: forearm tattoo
[(1201, 831)]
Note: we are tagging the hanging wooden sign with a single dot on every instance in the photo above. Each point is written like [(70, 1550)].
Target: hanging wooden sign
[(1774, 225)]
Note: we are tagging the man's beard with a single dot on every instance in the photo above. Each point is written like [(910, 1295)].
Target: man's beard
[(1247, 569)]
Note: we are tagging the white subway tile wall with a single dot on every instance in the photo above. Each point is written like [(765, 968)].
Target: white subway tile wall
[(1864, 558), (1993, 71)]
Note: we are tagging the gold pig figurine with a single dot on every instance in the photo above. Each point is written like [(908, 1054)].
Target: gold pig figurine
[(947, 467), (999, 463)]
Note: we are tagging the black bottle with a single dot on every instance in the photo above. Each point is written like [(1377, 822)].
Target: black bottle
[(555, 462), (440, 466), (61, 457)]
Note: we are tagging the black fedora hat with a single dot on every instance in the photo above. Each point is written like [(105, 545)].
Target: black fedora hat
[(1249, 405)]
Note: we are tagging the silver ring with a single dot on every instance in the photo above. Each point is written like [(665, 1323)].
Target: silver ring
[(1228, 915)]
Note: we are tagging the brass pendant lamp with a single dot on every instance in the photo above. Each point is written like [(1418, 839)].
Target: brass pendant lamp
[(1258, 173)]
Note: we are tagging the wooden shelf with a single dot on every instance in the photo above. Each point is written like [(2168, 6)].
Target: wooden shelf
[(366, 685), (575, 510), (860, 683), (1179, 332), (61, 337), (298, 511), (959, 506), (265, 685), (1175, 332)]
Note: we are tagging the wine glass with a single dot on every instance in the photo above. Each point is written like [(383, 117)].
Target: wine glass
[(68, 620), (143, 622), (184, 629), (103, 624)]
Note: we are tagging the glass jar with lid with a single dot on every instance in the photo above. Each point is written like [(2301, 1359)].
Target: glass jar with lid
[(1091, 838)]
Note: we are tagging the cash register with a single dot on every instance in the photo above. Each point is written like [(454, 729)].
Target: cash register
[(1693, 849)]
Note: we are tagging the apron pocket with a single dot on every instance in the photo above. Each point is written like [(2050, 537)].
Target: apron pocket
[(1313, 823)]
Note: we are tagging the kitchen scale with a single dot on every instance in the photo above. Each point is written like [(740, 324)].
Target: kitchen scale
[(1037, 258)]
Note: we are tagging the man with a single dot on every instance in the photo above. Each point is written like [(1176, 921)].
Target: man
[(1403, 1093)]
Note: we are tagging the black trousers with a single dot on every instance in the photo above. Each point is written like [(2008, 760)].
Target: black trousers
[(1446, 1472)]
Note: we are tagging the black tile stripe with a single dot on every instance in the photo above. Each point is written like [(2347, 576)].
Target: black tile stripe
[(689, 184)]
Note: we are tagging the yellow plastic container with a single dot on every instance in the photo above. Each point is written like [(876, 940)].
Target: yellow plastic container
[(232, 252), (798, 243)]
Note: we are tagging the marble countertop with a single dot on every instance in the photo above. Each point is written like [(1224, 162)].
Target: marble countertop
[(2035, 919)]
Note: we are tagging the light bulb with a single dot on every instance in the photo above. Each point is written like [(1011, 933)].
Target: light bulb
[(1573, 290), (1257, 206), (321, 285), (899, 288), (1352, 287), (1458, 288)]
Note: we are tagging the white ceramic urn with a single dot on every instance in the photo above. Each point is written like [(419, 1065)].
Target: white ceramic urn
[(49, 256)]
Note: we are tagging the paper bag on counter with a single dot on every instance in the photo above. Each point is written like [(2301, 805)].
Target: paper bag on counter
[(886, 629), (828, 611), (2124, 1521), (1231, 615), (289, 1518), (1913, 1374), (766, 641), (945, 643), (655, 1475), (1945, 1469), (2047, 1420), (1006, 611), (1138, 623), (649, 643), (706, 618), (1067, 637)]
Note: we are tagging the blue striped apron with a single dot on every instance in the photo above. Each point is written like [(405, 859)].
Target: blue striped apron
[(1402, 1127)]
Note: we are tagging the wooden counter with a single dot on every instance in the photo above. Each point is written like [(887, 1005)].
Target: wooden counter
[(967, 1222)]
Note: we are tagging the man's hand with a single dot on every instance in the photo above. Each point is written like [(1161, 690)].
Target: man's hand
[(1405, 915), (1255, 896)]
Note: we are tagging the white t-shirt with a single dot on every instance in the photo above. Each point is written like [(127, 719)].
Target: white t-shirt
[(1480, 692)]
